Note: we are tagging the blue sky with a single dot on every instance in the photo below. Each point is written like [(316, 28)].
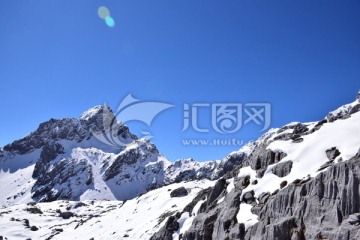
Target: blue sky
[(58, 58)]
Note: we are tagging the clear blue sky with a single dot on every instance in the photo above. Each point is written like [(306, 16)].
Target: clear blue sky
[(58, 58)]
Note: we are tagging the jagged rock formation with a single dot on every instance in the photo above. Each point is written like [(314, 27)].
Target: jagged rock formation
[(317, 209)]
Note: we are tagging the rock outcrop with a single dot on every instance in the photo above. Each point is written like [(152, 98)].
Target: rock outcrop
[(282, 169)]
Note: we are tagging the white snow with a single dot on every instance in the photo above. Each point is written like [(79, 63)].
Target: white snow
[(245, 171), (91, 112), (221, 200), (16, 177), (186, 220), (230, 185), (246, 216), (138, 218)]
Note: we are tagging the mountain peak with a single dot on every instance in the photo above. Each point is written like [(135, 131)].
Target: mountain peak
[(99, 119), (95, 111)]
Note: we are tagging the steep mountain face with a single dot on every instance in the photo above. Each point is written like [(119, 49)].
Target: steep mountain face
[(63, 160), (297, 182), (93, 174)]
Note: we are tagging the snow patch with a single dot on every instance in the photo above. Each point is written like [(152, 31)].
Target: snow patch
[(245, 215)]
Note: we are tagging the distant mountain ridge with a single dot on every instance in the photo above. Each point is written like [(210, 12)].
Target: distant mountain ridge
[(65, 161)]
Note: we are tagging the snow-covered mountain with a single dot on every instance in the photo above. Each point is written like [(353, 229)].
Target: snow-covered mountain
[(300, 181), (63, 159)]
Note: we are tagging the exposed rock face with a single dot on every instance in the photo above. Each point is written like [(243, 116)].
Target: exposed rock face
[(214, 220), (298, 130), (170, 227), (52, 130), (261, 158), (264, 197), (189, 169), (61, 175), (49, 152), (282, 169), (130, 158)]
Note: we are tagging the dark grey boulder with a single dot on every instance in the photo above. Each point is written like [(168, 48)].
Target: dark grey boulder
[(34, 228), (241, 183), (66, 215), (354, 219), (332, 153), (248, 197), (283, 184), (34, 210), (179, 192), (282, 169)]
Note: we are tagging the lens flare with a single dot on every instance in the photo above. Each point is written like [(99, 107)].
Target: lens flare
[(103, 12), (110, 21)]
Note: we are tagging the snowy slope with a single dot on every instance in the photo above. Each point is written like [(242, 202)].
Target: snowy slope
[(138, 218)]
